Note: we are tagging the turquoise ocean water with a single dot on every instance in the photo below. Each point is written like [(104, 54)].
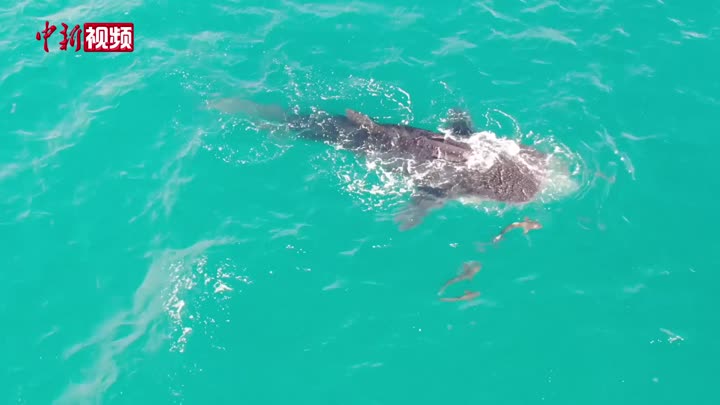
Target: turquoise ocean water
[(157, 252)]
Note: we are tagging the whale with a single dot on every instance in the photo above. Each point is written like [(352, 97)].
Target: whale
[(443, 158)]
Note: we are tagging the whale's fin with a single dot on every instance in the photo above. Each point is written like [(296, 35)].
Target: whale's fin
[(460, 123), (425, 200), (362, 120), (450, 141)]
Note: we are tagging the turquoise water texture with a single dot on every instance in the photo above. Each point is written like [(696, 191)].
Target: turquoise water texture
[(155, 251)]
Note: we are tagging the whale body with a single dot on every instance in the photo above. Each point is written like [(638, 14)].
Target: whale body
[(513, 179)]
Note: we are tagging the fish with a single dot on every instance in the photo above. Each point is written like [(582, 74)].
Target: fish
[(468, 272), (526, 225), (469, 295)]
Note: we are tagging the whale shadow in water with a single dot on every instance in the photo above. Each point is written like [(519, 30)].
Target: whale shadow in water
[(445, 162)]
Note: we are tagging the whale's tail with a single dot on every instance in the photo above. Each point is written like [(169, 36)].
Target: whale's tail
[(268, 112), (317, 127)]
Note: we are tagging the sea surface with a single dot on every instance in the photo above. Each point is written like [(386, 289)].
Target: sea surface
[(157, 251)]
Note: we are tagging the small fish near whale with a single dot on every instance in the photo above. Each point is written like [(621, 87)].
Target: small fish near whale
[(512, 179), (526, 225), (467, 296), (468, 272), (470, 269)]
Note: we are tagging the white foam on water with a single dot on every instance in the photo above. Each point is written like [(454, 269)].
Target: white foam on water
[(379, 182)]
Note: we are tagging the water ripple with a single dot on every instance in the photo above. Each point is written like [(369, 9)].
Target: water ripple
[(126, 145)]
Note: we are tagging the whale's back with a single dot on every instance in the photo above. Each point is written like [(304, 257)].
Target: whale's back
[(513, 179)]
